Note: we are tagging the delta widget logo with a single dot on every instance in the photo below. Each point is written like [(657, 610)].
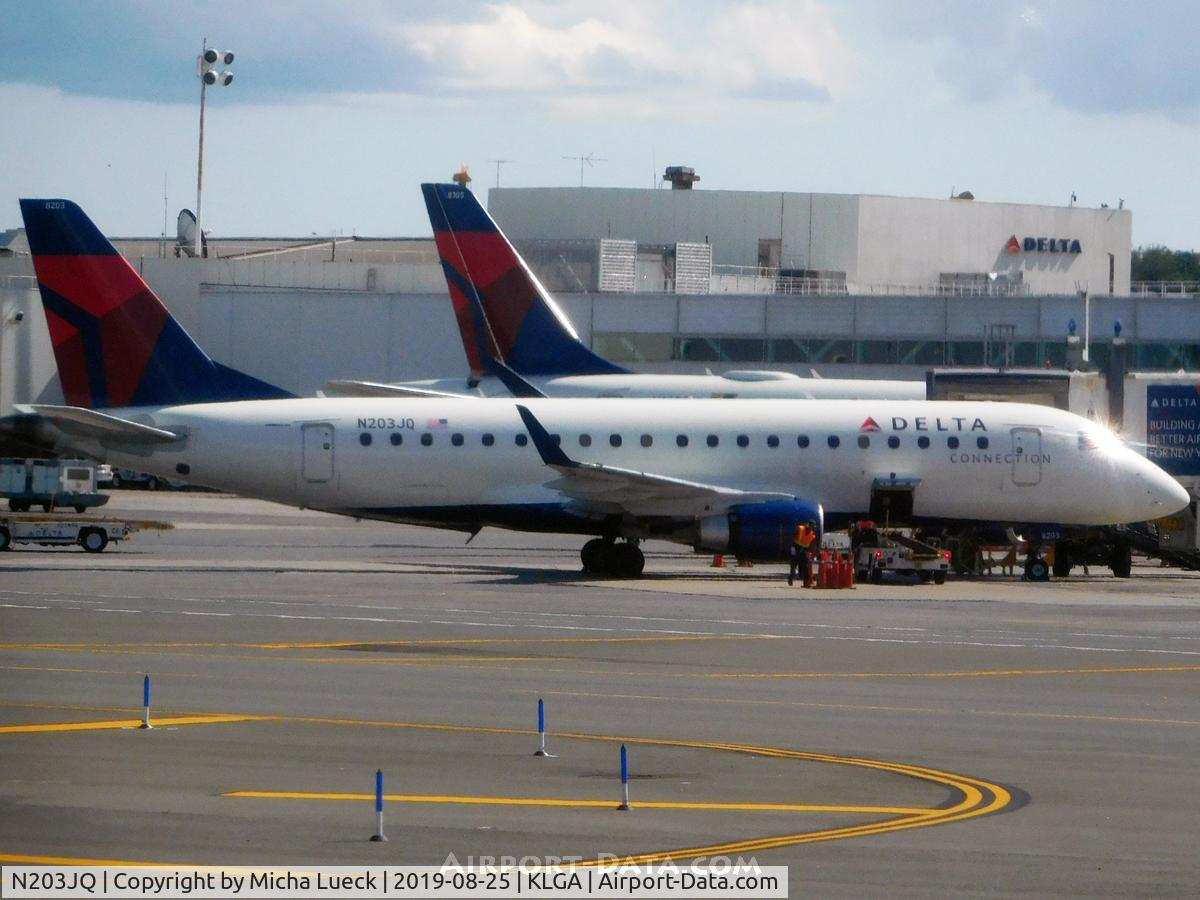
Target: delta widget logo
[(869, 424)]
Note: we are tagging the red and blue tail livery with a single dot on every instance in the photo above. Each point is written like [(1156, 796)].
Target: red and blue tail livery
[(504, 314), (115, 342)]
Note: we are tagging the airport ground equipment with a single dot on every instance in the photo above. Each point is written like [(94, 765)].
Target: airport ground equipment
[(93, 533), (877, 551), (50, 484)]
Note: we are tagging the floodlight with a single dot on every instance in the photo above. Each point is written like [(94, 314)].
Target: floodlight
[(227, 58), (211, 55), (226, 77), (209, 76)]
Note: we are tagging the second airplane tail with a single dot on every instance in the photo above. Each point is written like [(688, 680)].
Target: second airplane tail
[(115, 342), (503, 311)]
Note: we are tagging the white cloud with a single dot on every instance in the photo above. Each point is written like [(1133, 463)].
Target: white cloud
[(623, 50)]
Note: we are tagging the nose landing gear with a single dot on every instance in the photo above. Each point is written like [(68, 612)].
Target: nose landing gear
[(603, 556)]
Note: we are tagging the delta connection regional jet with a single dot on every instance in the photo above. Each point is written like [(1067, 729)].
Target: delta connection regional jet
[(719, 476), (510, 324)]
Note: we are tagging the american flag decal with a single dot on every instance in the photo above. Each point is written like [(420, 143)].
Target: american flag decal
[(436, 423)]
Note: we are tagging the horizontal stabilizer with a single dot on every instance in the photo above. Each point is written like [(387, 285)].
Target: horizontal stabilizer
[(87, 423), (349, 388)]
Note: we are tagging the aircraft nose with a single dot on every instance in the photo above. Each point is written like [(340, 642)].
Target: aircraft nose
[(1165, 494)]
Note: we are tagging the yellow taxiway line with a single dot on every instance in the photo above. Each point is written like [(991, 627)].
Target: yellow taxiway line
[(163, 722), (582, 804)]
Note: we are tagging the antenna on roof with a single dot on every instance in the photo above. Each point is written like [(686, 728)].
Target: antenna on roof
[(591, 159), (499, 162)]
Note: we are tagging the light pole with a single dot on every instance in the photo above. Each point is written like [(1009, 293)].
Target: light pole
[(207, 65)]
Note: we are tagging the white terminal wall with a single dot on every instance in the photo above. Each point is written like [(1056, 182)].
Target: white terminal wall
[(874, 240)]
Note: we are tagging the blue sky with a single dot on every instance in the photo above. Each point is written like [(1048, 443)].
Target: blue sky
[(337, 111)]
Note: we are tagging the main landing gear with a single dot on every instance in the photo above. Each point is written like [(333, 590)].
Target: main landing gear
[(603, 556)]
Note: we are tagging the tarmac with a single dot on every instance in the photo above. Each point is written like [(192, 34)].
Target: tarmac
[(983, 737)]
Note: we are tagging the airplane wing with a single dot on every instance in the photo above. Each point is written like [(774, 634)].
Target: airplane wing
[(349, 388), (87, 423), (609, 489)]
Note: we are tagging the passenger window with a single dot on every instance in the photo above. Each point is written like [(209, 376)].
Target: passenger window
[(647, 440), (397, 439), (585, 440), (893, 442), (522, 440), (681, 440), (614, 440), (952, 443), (802, 441), (743, 440), (456, 440), (864, 441), (365, 439), (834, 441), (923, 442), (487, 439), (426, 439), (772, 440), (981, 443), (713, 440)]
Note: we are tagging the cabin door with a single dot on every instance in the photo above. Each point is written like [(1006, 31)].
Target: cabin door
[(318, 451), (1026, 456)]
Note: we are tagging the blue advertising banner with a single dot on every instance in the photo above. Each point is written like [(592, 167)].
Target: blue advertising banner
[(1173, 427)]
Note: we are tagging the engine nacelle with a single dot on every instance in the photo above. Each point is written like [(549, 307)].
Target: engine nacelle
[(760, 531)]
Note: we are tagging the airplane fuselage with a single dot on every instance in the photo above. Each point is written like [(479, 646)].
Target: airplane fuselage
[(756, 385), (466, 463)]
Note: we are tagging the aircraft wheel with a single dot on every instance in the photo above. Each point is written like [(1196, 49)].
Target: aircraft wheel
[(80, 509), (925, 576), (116, 482), (626, 561), (17, 505), (593, 553), (93, 540), (939, 577), (152, 484), (1036, 569), (1062, 561), (5, 539), (47, 506), (1120, 561)]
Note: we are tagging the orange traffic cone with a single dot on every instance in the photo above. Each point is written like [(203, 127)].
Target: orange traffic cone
[(718, 561)]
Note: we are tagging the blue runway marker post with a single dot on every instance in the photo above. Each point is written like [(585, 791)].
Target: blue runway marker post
[(379, 835), (624, 781), (541, 750), (146, 702)]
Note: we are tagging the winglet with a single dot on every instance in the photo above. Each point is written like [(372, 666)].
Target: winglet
[(551, 453)]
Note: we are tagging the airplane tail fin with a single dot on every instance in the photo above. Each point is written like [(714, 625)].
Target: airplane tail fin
[(503, 311), (115, 343)]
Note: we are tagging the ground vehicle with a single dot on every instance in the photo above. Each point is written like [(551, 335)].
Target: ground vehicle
[(49, 483), (877, 551), (93, 535)]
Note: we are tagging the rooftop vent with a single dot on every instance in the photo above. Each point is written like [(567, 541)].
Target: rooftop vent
[(681, 177)]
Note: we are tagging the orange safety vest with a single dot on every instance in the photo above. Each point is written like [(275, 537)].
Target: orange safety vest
[(804, 536)]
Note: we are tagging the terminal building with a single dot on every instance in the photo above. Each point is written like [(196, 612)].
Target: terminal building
[(678, 280), (701, 242)]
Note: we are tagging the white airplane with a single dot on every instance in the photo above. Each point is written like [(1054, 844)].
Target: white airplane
[(727, 477), (510, 324)]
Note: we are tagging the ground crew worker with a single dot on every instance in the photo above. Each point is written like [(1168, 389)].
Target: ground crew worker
[(802, 545)]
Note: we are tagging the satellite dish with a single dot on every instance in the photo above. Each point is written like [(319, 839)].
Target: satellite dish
[(185, 231)]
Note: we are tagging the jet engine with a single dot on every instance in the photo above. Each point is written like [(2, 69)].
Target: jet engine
[(760, 531)]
